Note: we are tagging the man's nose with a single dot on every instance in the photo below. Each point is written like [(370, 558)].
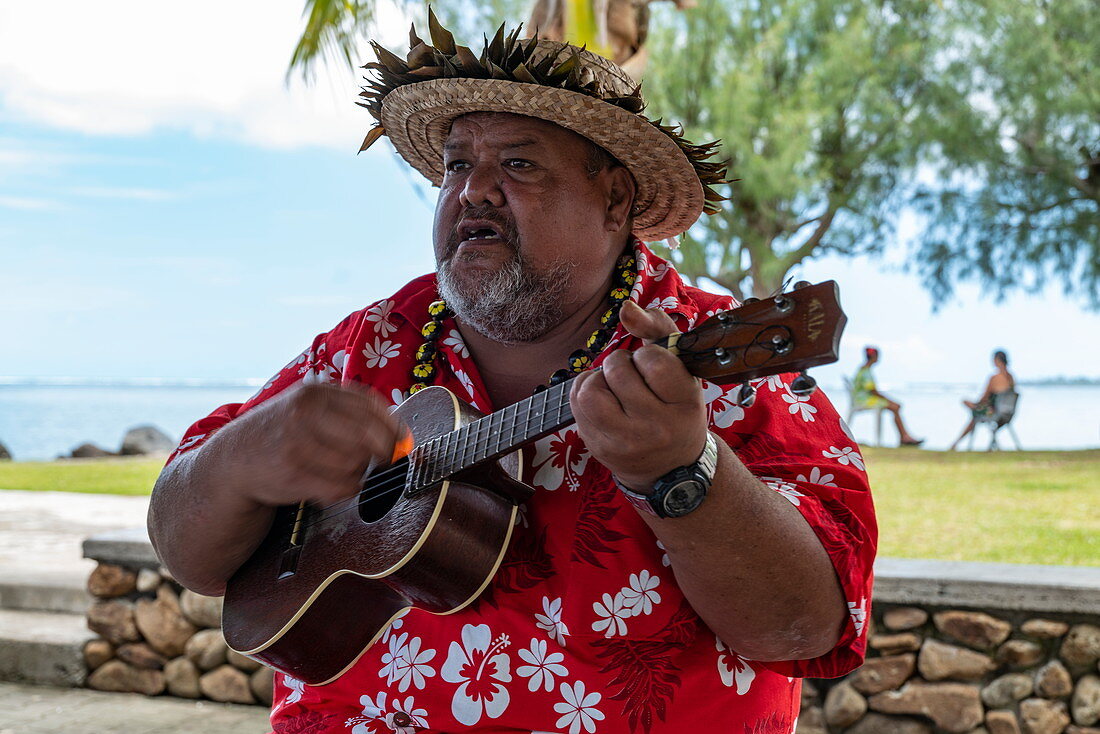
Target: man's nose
[(482, 187)]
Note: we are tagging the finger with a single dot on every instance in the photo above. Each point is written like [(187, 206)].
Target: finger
[(628, 385), (665, 375), (649, 325), (593, 402)]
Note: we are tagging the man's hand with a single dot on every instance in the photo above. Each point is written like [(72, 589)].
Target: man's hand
[(312, 443), (643, 414)]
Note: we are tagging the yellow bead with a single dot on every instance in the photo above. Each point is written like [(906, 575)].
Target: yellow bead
[(620, 294), (423, 371), (417, 387), (592, 339), (437, 307), (429, 330)]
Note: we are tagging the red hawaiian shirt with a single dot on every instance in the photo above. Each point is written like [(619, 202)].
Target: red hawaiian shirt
[(583, 629)]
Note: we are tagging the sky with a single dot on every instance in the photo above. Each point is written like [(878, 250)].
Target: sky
[(171, 208)]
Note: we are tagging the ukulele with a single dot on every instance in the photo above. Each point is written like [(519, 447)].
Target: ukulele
[(430, 529)]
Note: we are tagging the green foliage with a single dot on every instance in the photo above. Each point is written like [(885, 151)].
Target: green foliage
[(1018, 196), (335, 30), (816, 103)]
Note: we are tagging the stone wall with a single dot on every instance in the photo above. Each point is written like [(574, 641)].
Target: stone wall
[(156, 637), (958, 648)]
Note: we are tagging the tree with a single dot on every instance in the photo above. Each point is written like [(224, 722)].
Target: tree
[(1017, 200), (818, 105)]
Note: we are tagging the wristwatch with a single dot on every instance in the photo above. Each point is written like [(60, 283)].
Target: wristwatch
[(680, 491)]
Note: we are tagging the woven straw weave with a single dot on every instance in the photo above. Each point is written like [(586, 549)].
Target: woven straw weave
[(418, 118)]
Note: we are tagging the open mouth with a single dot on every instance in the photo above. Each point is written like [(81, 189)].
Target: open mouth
[(477, 231)]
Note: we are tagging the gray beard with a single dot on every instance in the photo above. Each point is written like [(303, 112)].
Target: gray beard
[(517, 304)]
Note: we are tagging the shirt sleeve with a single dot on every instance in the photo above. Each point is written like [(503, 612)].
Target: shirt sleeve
[(322, 361), (801, 448)]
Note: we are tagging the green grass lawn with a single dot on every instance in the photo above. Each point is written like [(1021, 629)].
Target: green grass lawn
[(1010, 507), (99, 476)]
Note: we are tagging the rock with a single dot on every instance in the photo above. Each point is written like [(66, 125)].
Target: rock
[(1071, 729), (89, 451), (114, 621), (878, 724), (97, 652), (974, 629), (141, 655), (883, 674), (940, 661), (900, 619), (262, 684), (1019, 653), (202, 611), (142, 440), (1085, 704), (226, 684), (1042, 717), (115, 675), (1082, 645), (810, 694), (953, 707), (1053, 681), (1002, 722), (893, 644), (241, 662), (162, 623), (182, 678), (207, 649), (1004, 692), (843, 706), (108, 581), (5, 455), (147, 580), (1044, 629)]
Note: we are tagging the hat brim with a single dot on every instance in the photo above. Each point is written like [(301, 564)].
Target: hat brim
[(669, 199)]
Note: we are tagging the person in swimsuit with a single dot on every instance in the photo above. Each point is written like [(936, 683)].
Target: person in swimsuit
[(1001, 383)]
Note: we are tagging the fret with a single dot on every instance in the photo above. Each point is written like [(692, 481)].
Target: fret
[(417, 468), (433, 461), (448, 449), (477, 439), (543, 425)]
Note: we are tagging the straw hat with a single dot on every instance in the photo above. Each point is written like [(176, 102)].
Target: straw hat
[(415, 100)]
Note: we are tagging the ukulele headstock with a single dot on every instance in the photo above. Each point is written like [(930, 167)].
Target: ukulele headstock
[(790, 332)]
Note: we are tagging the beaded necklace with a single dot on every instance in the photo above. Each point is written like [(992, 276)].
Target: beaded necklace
[(622, 280)]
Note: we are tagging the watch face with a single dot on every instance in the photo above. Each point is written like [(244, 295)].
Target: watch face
[(684, 497)]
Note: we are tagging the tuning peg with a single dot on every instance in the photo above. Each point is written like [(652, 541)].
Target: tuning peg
[(750, 299), (804, 385), (802, 284), (746, 396)]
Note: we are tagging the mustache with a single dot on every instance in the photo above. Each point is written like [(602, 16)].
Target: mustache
[(507, 226)]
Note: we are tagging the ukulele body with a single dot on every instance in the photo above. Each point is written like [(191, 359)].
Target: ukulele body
[(311, 609)]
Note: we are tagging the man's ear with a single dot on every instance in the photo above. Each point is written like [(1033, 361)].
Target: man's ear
[(620, 198)]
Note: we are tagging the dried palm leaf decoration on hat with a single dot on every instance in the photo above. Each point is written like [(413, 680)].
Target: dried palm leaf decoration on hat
[(415, 100)]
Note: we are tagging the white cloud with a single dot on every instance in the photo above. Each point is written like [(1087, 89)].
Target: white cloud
[(135, 194), (27, 203), (208, 67)]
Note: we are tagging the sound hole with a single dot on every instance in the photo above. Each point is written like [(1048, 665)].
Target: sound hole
[(381, 491)]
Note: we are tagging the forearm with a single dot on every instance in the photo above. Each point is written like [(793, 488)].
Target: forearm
[(753, 570), (201, 522)]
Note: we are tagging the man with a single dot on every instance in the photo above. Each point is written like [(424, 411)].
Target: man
[(866, 395), (611, 612)]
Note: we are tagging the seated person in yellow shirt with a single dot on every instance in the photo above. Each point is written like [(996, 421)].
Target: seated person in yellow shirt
[(865, 395)]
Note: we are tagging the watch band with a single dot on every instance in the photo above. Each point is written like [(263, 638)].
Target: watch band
[(691, 481)]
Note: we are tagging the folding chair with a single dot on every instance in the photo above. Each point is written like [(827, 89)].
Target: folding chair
[(854, 408), (1004, 410)]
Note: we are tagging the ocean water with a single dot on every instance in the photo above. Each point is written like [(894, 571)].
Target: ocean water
[(42, 421)]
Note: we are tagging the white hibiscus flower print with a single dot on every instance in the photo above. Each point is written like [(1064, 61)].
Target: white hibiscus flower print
[(641, 595), (845, 456), (578, 709), (466, 382), (455, 342), (397, 396), (297, 688), (550, 620), (380, 352), (379, 315), (480, 665), (659, 271), (858, 613), (734, 670), (846, 430), (722, 408), (665, 560), (788, 490), (322, 372), (560, 460), (665, 304), (774, 383), (410, 667), (397, 623), (189, 442), (404, 718), (799, 405), (612, 613), (817, 477), (541, 668)]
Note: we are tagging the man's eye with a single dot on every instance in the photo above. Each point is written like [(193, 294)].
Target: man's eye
[(517, 163), (457, 165)]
